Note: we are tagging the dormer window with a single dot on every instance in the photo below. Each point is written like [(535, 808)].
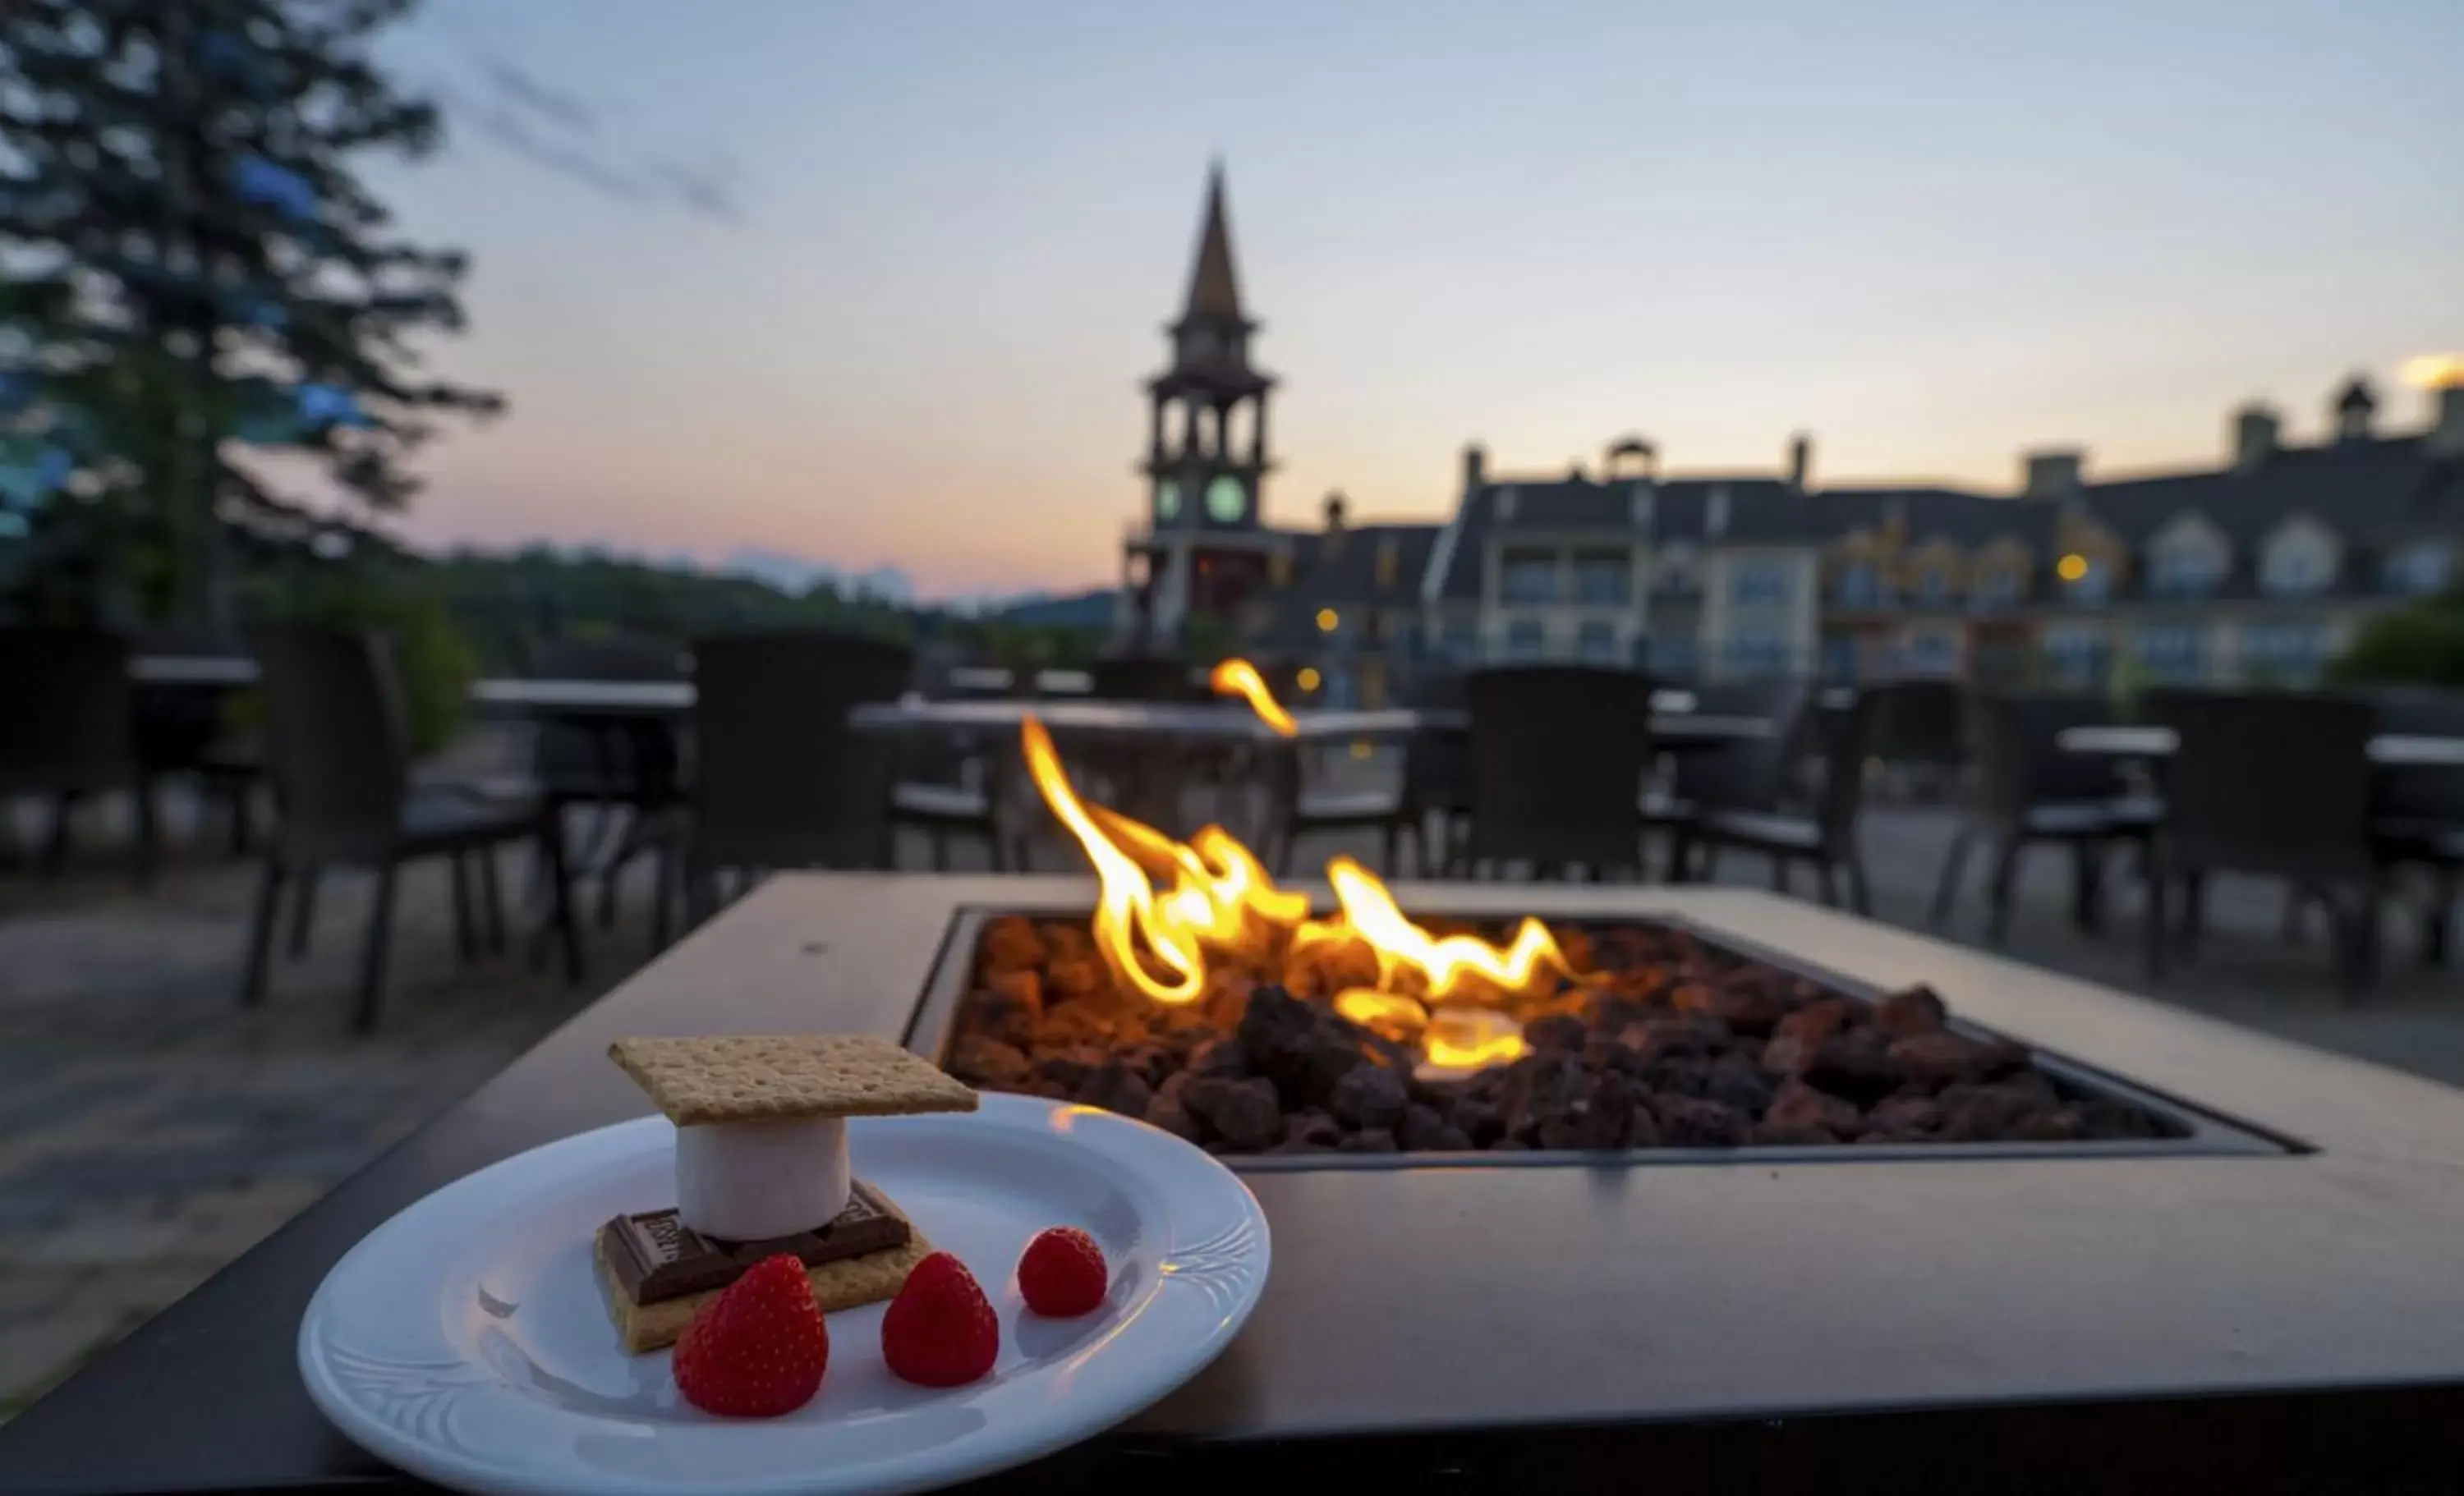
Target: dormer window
[(1856, 585), (2300, 559), (2418, 568), (2183, 572), (1933, 588)]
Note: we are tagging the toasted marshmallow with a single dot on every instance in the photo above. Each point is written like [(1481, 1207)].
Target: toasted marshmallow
[(753, 1182)]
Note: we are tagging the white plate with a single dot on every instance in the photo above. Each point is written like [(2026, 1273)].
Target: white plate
[(466, 1340)]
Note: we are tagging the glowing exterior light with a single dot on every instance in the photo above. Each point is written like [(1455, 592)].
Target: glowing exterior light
[(2071, 567), (1328, 620), (1309, 679), (2434, 371)]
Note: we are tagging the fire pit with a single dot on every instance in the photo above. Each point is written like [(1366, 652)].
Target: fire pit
[(1199, 996)]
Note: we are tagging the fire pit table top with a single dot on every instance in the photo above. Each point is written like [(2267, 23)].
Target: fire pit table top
[(1503, 1321)]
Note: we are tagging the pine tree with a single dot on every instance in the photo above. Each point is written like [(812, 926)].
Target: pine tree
[(197, 275)]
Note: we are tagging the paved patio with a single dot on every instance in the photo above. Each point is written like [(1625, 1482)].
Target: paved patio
[(150, 1130)]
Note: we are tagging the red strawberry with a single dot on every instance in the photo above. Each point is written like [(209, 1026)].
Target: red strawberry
[(939, 1331), (1062, 1273), (758, 1349)]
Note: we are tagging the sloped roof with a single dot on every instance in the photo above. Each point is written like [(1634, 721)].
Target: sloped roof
[(1213, 288)]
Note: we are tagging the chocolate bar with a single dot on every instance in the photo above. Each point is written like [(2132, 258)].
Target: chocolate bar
[(656, 1256)]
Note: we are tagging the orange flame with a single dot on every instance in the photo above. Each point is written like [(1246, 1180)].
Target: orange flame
[(1240, 678), (1164, 906)]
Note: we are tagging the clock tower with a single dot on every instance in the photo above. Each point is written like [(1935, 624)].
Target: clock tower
[(1203, 546)]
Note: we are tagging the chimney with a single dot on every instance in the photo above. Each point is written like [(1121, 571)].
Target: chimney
[(2446, 434), (1800, 460), (2355, 405), (1334, 508), (2053, 474), (2253, 436), (1475, 467)]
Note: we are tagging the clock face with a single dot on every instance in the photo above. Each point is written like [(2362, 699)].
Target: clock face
[(1226, 500), (1167, 500)]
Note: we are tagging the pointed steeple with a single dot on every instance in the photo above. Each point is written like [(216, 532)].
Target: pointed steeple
[(1213, 291)]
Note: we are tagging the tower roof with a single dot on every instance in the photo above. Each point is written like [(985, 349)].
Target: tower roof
[(1213, 291)]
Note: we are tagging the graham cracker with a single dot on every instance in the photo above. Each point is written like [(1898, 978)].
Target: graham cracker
[(782, 1077), (845, 1284)]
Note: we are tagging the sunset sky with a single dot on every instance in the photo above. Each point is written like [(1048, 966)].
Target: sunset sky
[(873, 284)]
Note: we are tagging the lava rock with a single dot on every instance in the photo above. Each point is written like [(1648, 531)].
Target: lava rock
[(1070, 1068), (1371, 1140), (1917, 1115), (1011, 1006), (1542, 1088), (1560, 1033), (1797, 1105), (1302, 1047), (2061, 1124), (1309, 1132), (1735, 1081), (1768, 1133), (1119, 1087), (980, 1061), (1509, 1145), (1077, 1024), (2121, 1119), (1223, 1057), (1013, 943), (1856, 1065), (1937, 1060), (1423, 1132), (1692, 1122), (1987, 1113), (1911, 1010), (1244, 1113), (1151, 1061), (1816, 1021), (1480, 1120), (1369, 1096), (1753, 1010)]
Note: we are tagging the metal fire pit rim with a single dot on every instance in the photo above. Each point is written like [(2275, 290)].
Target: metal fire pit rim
[(932, 1023)]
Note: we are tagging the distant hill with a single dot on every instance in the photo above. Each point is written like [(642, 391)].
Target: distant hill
[(1072, 610), (795, 575)]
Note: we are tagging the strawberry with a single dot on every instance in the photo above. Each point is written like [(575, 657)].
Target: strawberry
[(939, 1331), (758, 1349), (1062, 1273)]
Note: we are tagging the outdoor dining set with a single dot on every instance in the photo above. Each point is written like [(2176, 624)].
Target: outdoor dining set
[(731, 757)]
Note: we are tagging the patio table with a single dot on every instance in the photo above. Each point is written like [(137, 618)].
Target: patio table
[(2277, 1322), (2387, 750)]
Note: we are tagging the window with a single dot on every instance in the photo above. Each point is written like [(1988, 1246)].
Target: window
[(1839, 660), (1755, 652), (2184, 571), (1603, 578), (1676, 657), (1677, 571), (1527, 577), (1933, 586), (1758, 583), (2296, 563), (1996, 586), (2173, 652), (2417, 569), (1931, 654), (1525, 639), (1595, 642), (2086, 581), (2283, 654), (1856, 588), (1459, 642), (2075, 659)]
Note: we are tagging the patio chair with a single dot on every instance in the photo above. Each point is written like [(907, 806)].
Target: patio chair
[(781, 778), (1918, 730), (2273, 785), (1754, 774), (1143, 677), (2418, 816), (1827, 838), (627, 770), (68, 731), (181, 731), (1434, 785), (1557, 754), (339, 752), (2029, 791)]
